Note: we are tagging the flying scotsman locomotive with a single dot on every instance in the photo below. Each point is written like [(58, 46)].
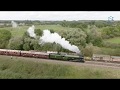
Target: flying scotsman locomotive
[(34, 54)]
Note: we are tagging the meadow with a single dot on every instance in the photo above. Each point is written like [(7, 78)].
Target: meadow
[(115, 40), (19, 31), (31, 68)]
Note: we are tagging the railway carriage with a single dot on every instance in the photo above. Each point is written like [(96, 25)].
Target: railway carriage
[(34, 54), (13, 52), (10, 52), (3, 51), (43, 55)]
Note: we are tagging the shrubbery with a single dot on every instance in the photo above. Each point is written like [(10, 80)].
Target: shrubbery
[(83, 33), (16, 43), (5, 36)]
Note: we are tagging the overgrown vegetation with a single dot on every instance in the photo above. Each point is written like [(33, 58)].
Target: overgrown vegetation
[(101, 34), (30, 68), (5, 35)]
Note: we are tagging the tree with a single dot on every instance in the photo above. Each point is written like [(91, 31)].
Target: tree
[(64, 23), (58, 48), (88, 50), (26, 35), (16, 43), (51, 30), (27, 45), (5, 36), (76, 37), (94, 36), (36, 45), (38, 32)]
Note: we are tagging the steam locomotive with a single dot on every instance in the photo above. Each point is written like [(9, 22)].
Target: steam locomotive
[(34, 54)]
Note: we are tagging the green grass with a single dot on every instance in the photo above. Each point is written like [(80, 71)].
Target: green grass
[(106, 50), (115, 40), (19, 31), (111, 46), (109, 51), (27, 68)]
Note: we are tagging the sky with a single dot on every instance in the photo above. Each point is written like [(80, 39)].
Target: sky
[(59, 15)]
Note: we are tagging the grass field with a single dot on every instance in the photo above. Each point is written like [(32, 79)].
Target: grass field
[(112, 46), (30, 68), (115, 40), (108, 51), (19, 31)]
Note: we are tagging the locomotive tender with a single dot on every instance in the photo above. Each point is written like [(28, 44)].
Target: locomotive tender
[(42, 55)]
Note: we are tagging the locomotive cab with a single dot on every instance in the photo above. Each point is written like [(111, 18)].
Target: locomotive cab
[(81, 57)]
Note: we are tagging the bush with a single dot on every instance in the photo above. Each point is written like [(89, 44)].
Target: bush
[(51, 30), (16, 43), (88, 50), (94, 36), (5, 36), (110, 45), (38, 32)]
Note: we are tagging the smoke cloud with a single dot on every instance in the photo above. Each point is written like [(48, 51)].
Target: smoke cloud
[(55, 37), (31, 31), (14, 24)]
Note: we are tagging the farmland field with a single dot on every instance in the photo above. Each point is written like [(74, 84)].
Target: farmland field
[(115, 40), (25, 68), (19, 31)]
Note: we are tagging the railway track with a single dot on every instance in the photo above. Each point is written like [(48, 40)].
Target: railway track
[(115, 64)]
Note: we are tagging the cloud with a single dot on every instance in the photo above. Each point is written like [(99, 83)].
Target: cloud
[(58, 15)]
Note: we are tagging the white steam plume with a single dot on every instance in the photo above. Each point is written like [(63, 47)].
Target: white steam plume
[(31, 31), (55, 37), (14, 24)]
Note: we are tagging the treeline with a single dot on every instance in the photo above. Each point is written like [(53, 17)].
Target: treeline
[(64, 23), (78, 37), (86, 35), (7, 23), (85, 23), (106, 28), (27, 43)]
